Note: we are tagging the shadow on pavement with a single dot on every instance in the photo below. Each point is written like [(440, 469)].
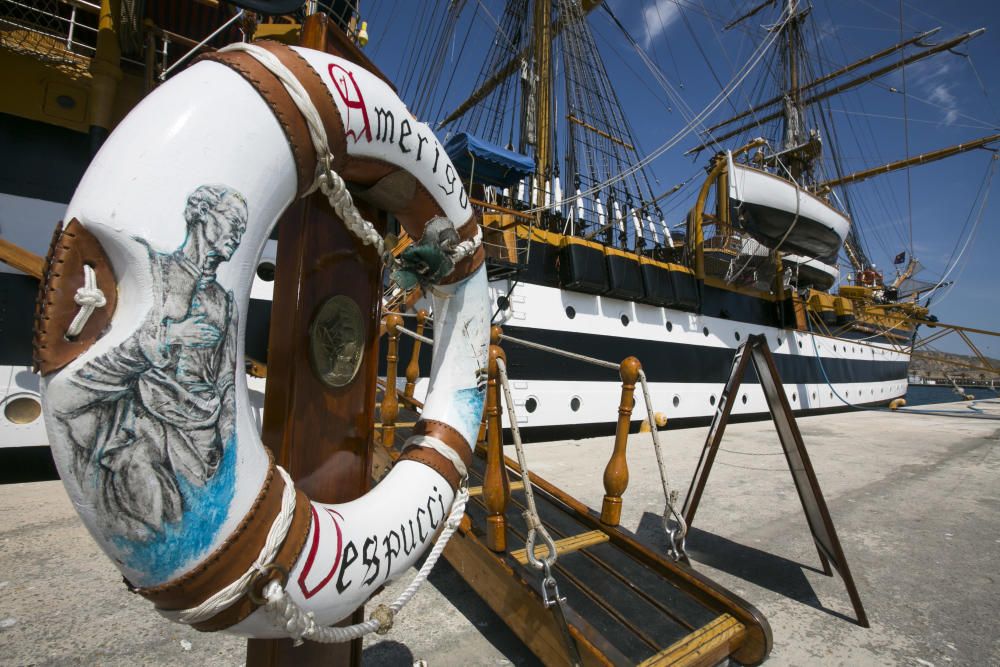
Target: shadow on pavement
[(775, 573)]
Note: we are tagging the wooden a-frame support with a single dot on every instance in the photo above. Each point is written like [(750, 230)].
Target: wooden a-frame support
[(755, 350)]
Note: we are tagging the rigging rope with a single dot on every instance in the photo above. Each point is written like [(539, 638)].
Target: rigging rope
[(982, 207), (714, 104)]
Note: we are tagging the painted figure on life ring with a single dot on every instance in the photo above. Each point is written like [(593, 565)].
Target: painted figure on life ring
[(160, 406)]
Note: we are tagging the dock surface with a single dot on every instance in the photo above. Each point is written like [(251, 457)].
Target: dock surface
[(915, 499)]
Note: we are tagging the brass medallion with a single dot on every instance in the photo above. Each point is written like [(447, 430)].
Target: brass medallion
[(337, 341)]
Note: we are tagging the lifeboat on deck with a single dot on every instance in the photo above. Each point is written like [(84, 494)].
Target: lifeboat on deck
[(812, 272), (779, 214)]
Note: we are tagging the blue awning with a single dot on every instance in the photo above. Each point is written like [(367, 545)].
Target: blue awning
[(486, 163)]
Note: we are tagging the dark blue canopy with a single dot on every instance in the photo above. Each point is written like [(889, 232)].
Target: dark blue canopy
[(486, 163)]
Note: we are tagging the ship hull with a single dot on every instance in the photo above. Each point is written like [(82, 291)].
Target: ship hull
[(687, 358)]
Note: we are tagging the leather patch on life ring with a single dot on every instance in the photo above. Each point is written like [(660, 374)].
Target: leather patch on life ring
[(72, 247)]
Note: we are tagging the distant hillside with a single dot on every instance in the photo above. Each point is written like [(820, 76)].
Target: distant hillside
[(941, 364)]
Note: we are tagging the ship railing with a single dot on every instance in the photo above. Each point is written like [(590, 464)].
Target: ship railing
[(506, 252), (496, 490), (58, 31)]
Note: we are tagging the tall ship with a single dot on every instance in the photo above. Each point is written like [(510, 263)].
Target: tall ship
[(586, 252), (588, 257)]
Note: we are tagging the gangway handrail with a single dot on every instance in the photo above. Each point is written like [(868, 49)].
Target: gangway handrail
[(613, 477), (677, 535)]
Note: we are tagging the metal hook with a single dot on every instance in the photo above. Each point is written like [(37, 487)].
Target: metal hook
[(535, 529)]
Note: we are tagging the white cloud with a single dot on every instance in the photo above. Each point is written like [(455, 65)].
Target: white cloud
[(656, 18), (935, 81)]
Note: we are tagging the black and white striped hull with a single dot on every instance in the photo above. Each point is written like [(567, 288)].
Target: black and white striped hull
[(686, 356)]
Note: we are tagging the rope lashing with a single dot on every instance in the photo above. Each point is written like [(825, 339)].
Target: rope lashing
[(89, 298), (531, 518), (444, 450), (301, 625), (433, 258), (327, 181), (676, 535), (238, 588)]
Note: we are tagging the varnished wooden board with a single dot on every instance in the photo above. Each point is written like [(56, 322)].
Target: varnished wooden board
[(709, 644), (565, 546)]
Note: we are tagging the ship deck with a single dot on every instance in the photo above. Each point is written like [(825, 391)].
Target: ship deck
[(914, 499)]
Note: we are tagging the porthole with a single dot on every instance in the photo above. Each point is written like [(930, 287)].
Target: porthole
[(779, 341), (744, 399), (570, 312), (800, 345), (705, 331), (503, 303), (737, 335), (624, 320), (677, 400), (834, 348), (531, 404), (574, 403), (22, 410), (65, 101), (265, 271), (795, 397), (711, 399), (814, 395), (670, 325)]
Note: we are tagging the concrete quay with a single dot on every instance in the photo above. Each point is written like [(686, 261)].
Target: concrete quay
[(915, 499)]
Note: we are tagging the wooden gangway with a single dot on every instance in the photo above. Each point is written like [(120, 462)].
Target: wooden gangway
[(624, 603)]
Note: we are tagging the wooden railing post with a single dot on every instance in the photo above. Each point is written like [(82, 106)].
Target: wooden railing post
[(496, 486), (413, 368), (390, 402), (616, 474), (495, 333)]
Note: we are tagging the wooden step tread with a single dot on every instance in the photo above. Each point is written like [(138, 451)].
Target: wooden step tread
[(566, 545), (706, 645), (478, 490)]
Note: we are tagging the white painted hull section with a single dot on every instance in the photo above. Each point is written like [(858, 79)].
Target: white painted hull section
[(539, 307)]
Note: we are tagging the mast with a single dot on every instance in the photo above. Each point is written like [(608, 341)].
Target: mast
[(543, 94), (923, 158), (793, 103), (867, 60), (848, 85)]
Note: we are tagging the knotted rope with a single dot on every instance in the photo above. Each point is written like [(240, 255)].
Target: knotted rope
[(431, 259), (238, 588), (89, 298)]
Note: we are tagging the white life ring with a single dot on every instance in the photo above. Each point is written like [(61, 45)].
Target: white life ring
[(147, 409)]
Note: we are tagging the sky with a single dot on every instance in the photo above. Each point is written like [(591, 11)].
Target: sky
[(949, 98)]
